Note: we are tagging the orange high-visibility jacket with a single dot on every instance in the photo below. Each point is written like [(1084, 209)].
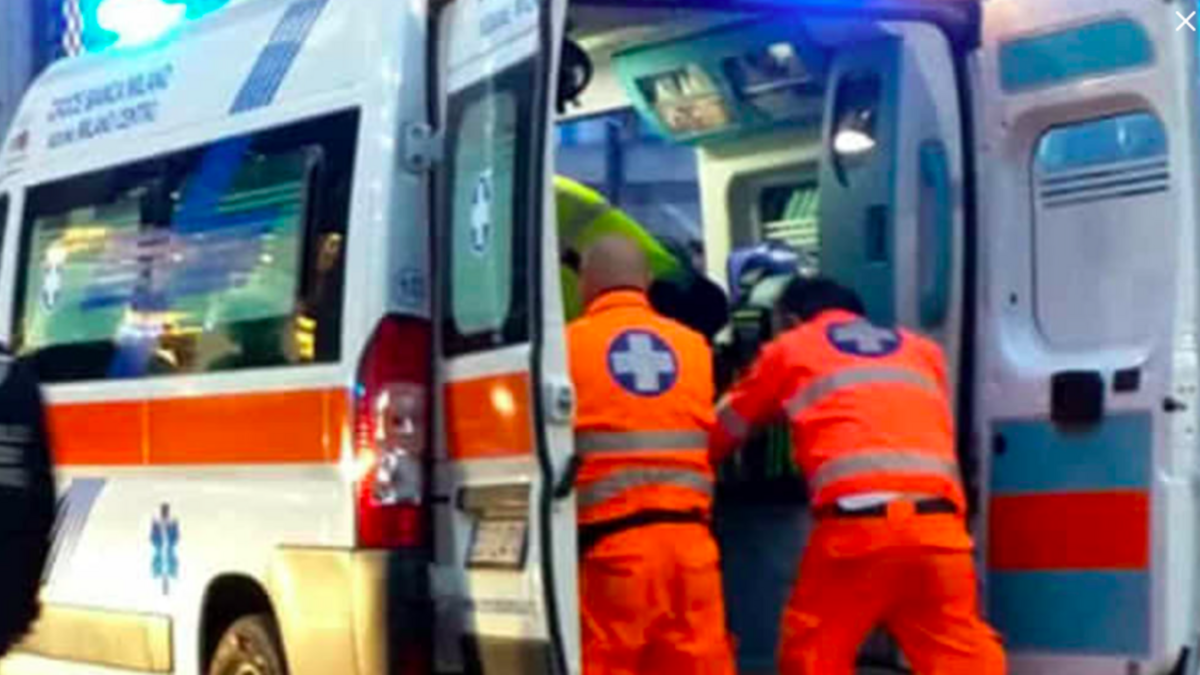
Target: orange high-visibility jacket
[(868, 407), (645, 390)]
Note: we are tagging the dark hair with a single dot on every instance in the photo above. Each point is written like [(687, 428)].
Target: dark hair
[(808, 297)]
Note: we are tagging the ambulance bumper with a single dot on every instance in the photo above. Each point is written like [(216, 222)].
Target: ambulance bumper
[(351, 612)]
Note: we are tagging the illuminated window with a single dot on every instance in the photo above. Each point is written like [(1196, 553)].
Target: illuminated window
[(222, 258)]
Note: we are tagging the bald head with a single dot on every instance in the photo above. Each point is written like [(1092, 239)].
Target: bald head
[(612, 262)]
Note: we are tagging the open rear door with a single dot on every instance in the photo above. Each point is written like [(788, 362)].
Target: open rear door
[(892, 182), (504, 577), (1087, 334)]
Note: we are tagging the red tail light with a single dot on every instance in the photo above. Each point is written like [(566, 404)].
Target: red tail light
[(391, 434)]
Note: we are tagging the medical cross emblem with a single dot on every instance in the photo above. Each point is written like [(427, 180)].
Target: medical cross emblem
[(860, 338), (52, 284), (481, 214), (164, 537), (642, 363)]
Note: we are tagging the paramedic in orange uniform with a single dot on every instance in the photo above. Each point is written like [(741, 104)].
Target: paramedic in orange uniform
[(873, 432), (650, 579)]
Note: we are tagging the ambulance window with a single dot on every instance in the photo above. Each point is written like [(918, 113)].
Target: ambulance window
[(488, 203), (1102, 230), (221, 258)]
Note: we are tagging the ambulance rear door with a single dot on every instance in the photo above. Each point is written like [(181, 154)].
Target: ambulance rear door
[(1087, 384), (504, 577)]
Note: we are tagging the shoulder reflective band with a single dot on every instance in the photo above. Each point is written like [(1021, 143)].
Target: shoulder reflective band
[(886, 462), (589, 442), (598, 492), (808, 395), (732, 421)]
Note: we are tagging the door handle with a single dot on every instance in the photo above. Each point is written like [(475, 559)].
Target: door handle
[(566, 484), (999, 444), (1173, 405)]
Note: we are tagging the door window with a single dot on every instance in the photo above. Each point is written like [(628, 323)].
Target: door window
[(489, 201), (1101, 230)]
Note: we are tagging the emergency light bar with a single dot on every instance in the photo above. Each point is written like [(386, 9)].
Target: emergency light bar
[(122, 23)]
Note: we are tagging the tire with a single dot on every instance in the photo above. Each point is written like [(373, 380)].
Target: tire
[(250, 646)]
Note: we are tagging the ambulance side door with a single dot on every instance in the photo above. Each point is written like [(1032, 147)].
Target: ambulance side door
[(504, 576), (1087, 333)]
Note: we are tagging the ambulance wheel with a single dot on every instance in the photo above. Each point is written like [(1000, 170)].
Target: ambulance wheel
[(250, 646)]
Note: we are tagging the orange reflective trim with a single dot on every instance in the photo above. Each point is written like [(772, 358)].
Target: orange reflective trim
[(262, 428), (109, 434), (489, 417), (283, 428), (1077, 531)]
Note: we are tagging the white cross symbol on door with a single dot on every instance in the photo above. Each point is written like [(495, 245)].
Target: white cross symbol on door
[(645, 363), (867, 339), (481, 213), (1187, 21)]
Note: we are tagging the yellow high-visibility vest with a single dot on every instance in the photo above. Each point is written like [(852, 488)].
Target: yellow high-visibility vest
[(584, 216)]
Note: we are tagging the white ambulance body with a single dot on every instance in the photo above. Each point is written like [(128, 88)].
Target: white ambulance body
[(291, 277)]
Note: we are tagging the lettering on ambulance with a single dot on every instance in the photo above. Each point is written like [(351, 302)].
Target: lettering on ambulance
[(118, 105)]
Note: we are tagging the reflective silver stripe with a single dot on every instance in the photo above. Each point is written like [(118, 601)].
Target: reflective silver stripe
[(810, 394), (901, 462), (640, 441), (732, 421), (614, 484)]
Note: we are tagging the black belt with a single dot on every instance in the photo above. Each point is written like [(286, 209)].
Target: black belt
[(593, 533), (923, 507)]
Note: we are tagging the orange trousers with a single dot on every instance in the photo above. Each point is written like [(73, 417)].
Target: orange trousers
[(924, 595), (653, 603)]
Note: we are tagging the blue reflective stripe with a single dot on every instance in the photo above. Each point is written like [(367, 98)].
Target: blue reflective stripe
[(1063, 56), (1096, 613), (278, 56), (74, 507), (1039, 457)]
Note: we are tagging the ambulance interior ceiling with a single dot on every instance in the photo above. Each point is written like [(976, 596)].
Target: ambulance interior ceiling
[(725, 191)]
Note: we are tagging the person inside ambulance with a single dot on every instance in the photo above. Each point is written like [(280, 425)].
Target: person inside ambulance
[(650, 582), (678, 290), (873, 433)]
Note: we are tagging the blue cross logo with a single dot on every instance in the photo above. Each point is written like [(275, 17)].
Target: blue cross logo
[(861, 338), (642, 363), (164, 536)]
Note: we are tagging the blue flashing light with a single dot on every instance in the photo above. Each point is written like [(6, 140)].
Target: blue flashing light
[(137, 22), (122, 23)]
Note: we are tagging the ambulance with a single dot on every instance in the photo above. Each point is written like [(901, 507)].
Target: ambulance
[(290, 274)]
